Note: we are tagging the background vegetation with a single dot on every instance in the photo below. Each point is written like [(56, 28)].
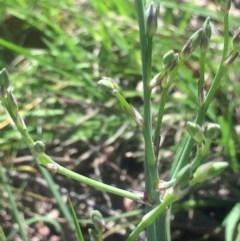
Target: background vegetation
[(55, 52)]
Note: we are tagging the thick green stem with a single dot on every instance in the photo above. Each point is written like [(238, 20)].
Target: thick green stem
[(164, 220), (146, 53), (151, 216), (147, 130), (150, 165)]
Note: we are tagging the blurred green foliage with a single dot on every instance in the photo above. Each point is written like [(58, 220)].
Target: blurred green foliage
[(56, 51)]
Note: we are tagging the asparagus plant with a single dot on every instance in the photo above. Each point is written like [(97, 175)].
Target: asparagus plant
[(159, 195)]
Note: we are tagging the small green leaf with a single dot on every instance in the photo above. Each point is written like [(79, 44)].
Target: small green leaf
[(76, 223), (230, 222)]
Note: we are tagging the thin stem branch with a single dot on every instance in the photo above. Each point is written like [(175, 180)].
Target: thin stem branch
[(163, 102), (203, 110), (201, 80), (45, 160), (104, 187), (196, 161), (45, 173)]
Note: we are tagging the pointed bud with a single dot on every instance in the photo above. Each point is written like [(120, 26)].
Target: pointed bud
[(230, 58), (197, 38), (12, 103), (37, 148), (207, 28), (98, 221), (158, 79), (109, 84), (192, 43), (195, 131), (151, 16), (236, 40), (208, 171), (211, 131)]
